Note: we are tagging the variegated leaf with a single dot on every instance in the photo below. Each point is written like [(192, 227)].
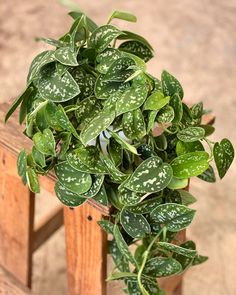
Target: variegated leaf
[(137, 48), (176, 104), (133, 124), (171, 85), (74, 180), (56, 88), (85, 81), (115, 174), (191, 134), (32, 180), (124, 143), (87, 109), (208, 175), (177, 249), (175, 217), (66, 56), (190, 164), (156, 101), (188, 147), (152, 175), (106, 58), (145, 206), (45, 142), (101, 196), (162, 267), (120, 70), (67, 197), (166, 115), (22, 165), (128, 197), (97, 181)]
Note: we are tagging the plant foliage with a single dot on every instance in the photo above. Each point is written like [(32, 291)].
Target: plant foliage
[(90, 108)]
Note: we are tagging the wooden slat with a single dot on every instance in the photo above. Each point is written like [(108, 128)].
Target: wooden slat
[(47, 226), (86, 251), (10, 286), (16, 220)]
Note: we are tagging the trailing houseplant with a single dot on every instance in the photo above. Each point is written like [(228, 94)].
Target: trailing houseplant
[(92, 111)]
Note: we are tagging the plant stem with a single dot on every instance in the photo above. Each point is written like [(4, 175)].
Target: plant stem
[(145, 257)]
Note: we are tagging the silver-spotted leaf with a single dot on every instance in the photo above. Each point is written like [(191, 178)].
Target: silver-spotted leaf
[(171, 85), (145, 206), (208, 175), (133, 124), (56, 88), (106, 58), (156, 101), (190, 164), (32, 180), (176, 104), (166, 115), (152, 175), (97, 181), (120, 70), (101, 196), (177, 249), (115, 174), (119, 259), (223, 155), (188, 147), (67, 197), (74, 180), (124, 143), (102, 37), (135, 225), (128, 197), (174, 216), (22, 165), (162, 267), (137, 48), (45, 142), (191, 134), (66, 56)]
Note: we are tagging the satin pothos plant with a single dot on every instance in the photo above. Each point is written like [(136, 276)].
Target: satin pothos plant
[(90, 108)]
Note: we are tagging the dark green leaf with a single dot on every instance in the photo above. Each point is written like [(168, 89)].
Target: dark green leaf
[(137, 48), (177, 249), (120, 70), (32, 180), (162, 267), (166, 115), (22, 165), (191, 134), (45, 142), (208, 175), (171, 85), (106, 58)]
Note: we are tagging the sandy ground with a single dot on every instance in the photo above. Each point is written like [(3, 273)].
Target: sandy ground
[(194, 40)]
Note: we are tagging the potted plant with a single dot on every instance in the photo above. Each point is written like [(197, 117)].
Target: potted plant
[(91, 110)]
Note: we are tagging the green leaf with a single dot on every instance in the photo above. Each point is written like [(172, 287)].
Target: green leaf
[(107, 89), (135, 225), (152, 175), (187, 198), (24, 96), (67, 197), (84, 80), (171, 85), (191, 134), (32, 180), (208, 175), (66, 56), (151, 120), (102, 37), (162, 267), (145, 206), (166, 115), (131, 99), (22, 165), (156, 101), (45, 142), (57, 88), (106, 58), (122, 15), (199, 259), (91, 24), (97, 181), (145, 151), (115, 151), (209, 129), (119, 70), (127, 35), (39, 158), (189, 165), (223, 155), (123, 247), (127, 197), (124, 143), (174, 216), (74, 180), (197, 110), (176, 104), (184, 260), (87, 109), (101, 196), (115, 174), (101, 122), (188, 147), (177, 249), (133, 124), (106, 225), (119, 259), (178, 183), (137, 48)]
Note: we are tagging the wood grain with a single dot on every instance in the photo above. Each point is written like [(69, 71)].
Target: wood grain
[(86, 245), (16, 220)]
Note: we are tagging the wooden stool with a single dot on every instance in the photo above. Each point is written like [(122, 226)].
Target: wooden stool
[(86, 243)]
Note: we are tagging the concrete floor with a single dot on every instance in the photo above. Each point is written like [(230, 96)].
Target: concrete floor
[(194, 40)]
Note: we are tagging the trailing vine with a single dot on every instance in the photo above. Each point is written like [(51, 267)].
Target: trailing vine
[(114, 133)]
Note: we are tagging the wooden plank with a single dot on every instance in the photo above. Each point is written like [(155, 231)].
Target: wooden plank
[(47, 226), (86, 247), (16, 220), (10, 286)]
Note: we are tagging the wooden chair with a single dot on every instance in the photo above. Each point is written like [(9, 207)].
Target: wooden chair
[(86, 243)]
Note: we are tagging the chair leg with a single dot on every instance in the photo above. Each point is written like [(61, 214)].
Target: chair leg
[(86, 251), (16, 220)]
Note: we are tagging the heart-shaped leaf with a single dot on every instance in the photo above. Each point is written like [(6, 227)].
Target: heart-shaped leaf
[(187, 198), (137, 48), (131, 99), (45, 142), (135, 225), (66, 56), (166, 115), (156, 101), (38, 157), (152, 175), (102, 37), (115, 174), (115, 151), (191, 134), (208, 175), (174, 216), (184, 260), (106, 58), (74, 180), (119, 259), (68, 197), (102, 121), (188, 147), (162, 267), (120, 70), (97, 181), (101, 196), (57, 88), (133, 124), (84, 80), (223, 155), (190, 164), (171, 85)]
